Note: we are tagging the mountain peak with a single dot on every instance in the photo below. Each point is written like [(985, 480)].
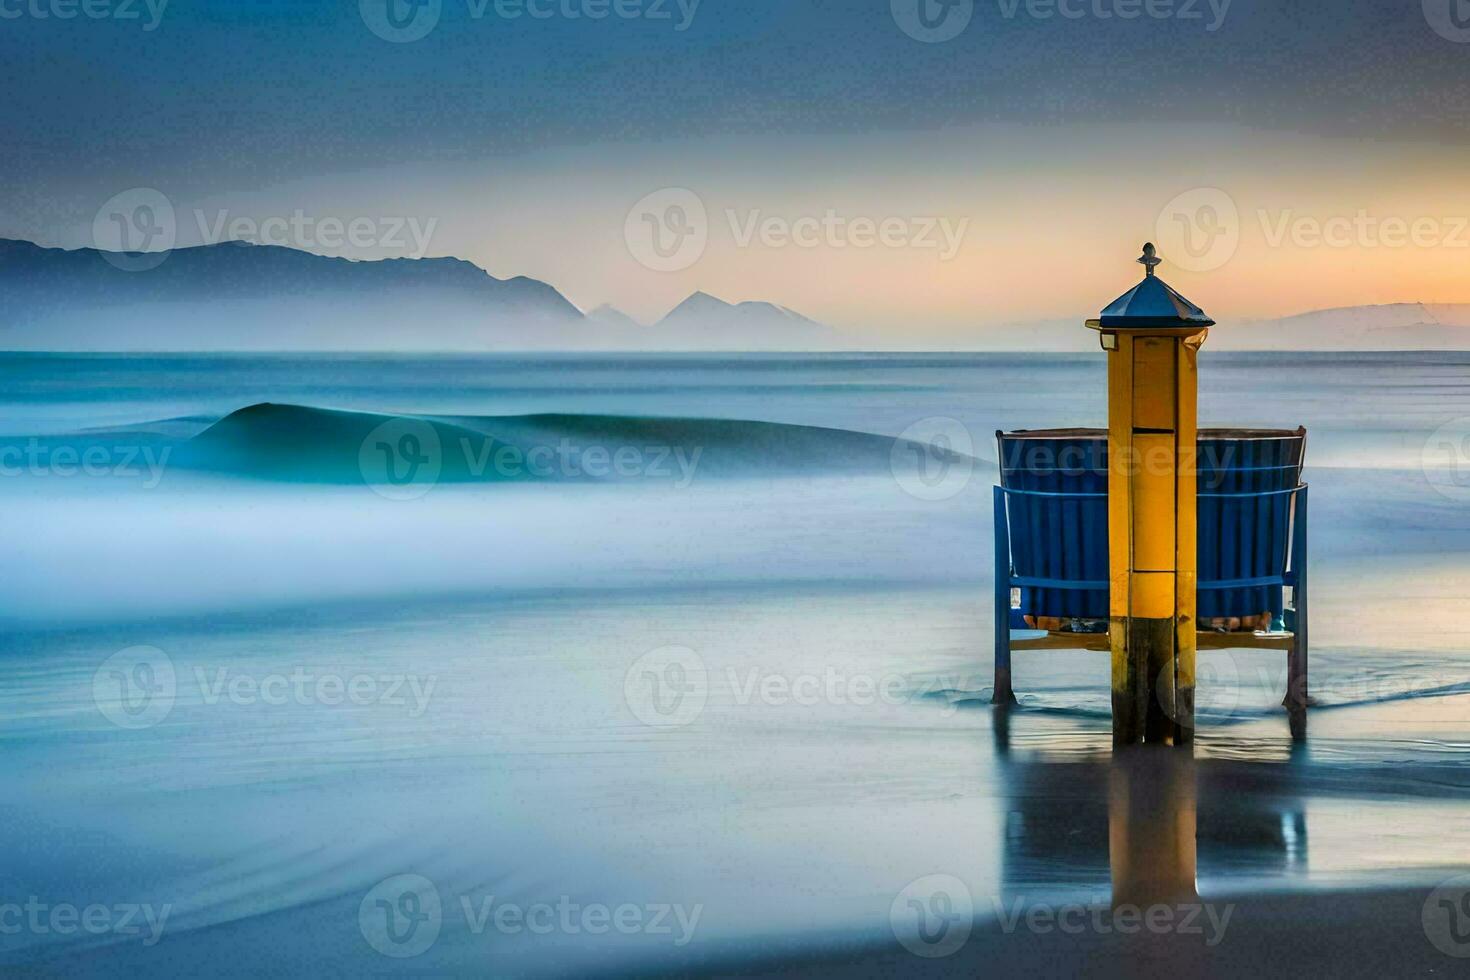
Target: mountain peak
[(702, 319), (609, 316), (700, 302)]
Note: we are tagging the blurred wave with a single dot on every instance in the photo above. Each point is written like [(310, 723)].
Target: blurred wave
[(310, 444)]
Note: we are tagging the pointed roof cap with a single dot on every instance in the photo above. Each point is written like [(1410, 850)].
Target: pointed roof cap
[(1152, 304)]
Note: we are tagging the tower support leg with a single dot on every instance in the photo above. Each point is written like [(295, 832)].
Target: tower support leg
[(1152, 474)]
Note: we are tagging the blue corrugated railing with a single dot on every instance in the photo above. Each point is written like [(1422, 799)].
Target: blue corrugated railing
[(1053, 499)]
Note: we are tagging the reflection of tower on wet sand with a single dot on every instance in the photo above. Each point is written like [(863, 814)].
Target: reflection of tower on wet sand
[(1143, 821), (1149, 822), (1151, 827)]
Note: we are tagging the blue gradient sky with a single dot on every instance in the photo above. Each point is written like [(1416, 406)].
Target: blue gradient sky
[(1058, 141)]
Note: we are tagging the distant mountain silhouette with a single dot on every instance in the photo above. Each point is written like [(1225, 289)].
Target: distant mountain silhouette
[(240, 296), (1393, 327), (703, 322), (1396, 326), (244, 271)]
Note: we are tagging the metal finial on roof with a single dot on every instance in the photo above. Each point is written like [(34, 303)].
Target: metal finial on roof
[(1150, 257), (1151, 304)]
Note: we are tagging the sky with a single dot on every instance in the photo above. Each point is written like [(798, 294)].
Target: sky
[(887, 165)]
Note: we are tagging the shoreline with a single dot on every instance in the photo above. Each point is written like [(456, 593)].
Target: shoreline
[(1343, 933)]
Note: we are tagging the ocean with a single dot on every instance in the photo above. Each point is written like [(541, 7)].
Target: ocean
[(559, 665)]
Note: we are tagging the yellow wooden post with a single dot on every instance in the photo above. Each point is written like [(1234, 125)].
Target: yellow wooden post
[(1152, 336)]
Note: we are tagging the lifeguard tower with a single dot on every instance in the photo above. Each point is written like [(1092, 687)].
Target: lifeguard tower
[(1152, 539)]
